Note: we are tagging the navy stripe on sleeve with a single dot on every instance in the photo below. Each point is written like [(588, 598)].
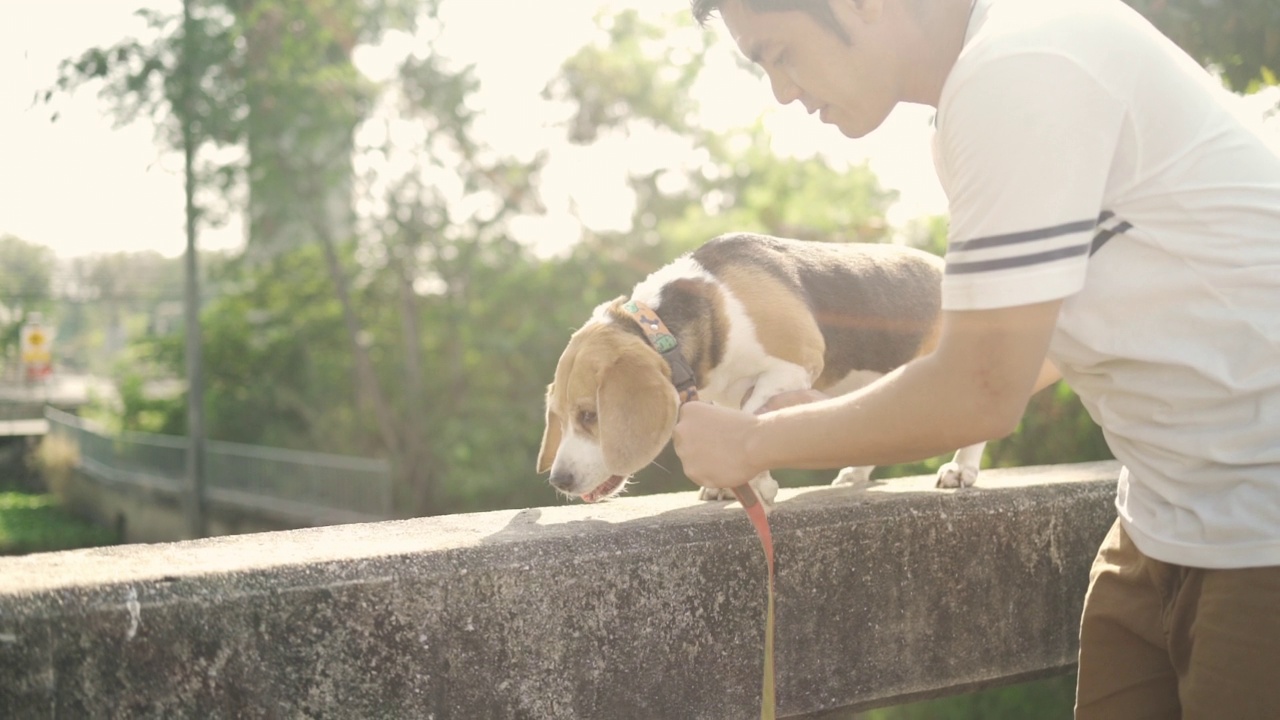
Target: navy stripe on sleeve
[(1104, 235), (1024, 236), (960, 268)]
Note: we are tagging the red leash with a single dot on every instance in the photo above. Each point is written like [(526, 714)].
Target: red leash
[(664, 341), (755, 511)]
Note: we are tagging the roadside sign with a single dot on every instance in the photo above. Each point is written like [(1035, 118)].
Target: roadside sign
[(36, 350)]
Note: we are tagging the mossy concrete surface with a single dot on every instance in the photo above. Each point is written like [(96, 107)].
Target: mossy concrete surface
[(647, 607)]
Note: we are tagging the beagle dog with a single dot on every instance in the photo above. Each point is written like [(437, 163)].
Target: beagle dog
[(752, 316)]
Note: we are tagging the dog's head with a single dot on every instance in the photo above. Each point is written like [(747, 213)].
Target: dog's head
[(610, 410)]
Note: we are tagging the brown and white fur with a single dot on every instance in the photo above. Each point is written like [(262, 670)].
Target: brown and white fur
[(755, 316)]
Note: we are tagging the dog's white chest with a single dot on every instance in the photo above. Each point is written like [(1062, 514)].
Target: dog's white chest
[(748, 380)]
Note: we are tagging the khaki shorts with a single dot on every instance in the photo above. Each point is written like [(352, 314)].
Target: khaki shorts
[(1166, 641)]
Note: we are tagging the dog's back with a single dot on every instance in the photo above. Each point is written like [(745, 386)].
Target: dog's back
[(876, 305)]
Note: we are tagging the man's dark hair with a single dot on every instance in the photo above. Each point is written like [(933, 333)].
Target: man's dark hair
[(819, 9)]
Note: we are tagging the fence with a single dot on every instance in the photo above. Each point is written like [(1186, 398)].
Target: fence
[(310, 484)]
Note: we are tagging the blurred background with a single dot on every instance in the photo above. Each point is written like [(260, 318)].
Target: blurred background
[(402, 208)]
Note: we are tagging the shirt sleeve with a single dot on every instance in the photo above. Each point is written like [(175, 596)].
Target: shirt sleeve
[(1025, 148)]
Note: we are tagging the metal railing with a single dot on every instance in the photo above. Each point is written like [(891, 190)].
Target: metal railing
[(318, 486)]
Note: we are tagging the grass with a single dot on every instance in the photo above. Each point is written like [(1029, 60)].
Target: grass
[(36, 523), (1048, 699)]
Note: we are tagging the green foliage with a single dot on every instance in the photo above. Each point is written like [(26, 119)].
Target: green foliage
[(1054, 429), (634, 72), (499, 354), (278, 371), (143, 411), (736, 182), (26, 274), (36, 523), (270, 79), (1241, 38), (26, 286), (1051, 699), (275, 80), (108, 300), (275, 359)]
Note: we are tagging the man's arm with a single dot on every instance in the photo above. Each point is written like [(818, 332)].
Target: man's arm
[(973, 387), (1049, 375)]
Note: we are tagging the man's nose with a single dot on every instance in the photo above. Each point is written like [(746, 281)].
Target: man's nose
[(784, 89)]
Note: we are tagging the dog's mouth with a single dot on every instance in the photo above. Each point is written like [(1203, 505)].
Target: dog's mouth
[(605, 489)]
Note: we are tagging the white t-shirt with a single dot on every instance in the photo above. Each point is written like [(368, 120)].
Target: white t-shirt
[(1072, 126)]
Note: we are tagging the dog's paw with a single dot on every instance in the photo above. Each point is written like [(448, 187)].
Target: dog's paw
[(953, 475), (766, 488), (853, 477), (708, 493)]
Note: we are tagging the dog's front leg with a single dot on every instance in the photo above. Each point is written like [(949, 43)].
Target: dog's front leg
[(854, 477), (785, 378), (765, 486), (962, 471), (782, 379)]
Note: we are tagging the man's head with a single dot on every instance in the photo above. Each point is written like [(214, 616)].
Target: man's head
[(819, 9), (849, 61)]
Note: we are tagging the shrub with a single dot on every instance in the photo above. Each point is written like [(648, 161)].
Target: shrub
[(35, 523), (55, 459)]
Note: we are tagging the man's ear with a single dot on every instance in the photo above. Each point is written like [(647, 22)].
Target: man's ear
[(636, 411), (550, 436)]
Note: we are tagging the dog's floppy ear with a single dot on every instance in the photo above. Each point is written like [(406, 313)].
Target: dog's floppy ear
[(550, 436), (636, 408)]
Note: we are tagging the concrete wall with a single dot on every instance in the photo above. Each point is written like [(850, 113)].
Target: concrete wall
[(647, 607)]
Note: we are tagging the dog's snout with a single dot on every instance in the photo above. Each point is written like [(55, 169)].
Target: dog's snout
[(562, 480)]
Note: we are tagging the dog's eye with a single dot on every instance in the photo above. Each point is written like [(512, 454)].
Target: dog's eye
[(587, 418)]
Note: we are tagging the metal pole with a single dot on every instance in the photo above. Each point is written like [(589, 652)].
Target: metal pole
[(196, 524)]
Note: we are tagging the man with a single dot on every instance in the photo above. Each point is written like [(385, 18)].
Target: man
[(1109, 212)]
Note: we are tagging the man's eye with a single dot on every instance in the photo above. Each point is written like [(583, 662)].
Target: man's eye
[(587, 418)]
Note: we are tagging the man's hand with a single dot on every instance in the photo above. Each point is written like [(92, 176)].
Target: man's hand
[(712, 444)]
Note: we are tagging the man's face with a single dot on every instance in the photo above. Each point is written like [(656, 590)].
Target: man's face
[(848, 84)]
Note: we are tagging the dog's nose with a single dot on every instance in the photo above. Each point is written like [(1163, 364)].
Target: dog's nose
[(562, 480)]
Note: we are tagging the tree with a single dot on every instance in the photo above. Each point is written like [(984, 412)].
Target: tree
[(731, 181), (26, 276), (1241, 38), (26, 286), (275, 80), (276, 96)]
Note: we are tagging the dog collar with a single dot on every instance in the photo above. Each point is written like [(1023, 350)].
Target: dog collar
[(665, 342)]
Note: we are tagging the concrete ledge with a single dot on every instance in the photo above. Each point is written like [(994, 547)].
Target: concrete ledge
[(647, 607)]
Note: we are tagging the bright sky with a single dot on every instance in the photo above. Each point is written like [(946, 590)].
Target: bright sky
[(82, 186)]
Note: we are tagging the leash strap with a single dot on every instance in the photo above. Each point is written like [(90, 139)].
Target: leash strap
[(664, 341), (755, 511)]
